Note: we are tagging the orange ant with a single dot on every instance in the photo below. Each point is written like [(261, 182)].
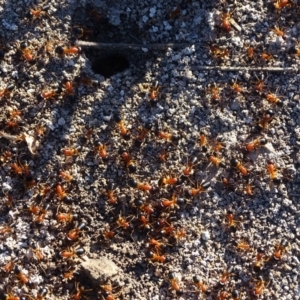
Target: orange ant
[(70, 274), (174, 282), (214, 91), (259, 260), (241, 245), (157, 244), (121, 222), (137, 185), (36, 13), (163, 156), (253, 145), (66, 176), (167, 136), (37, 252), (231, 222), (273, 172), (236, 87), (226, 20), (63, 217), (60, 50), (248, 189), (154, 92), (20, 275), (280, 249), (168, 180), (259, 287), (223, 295), (203, 141), (225, 276), (79, 292), (280, 4), (85, 80), (237, 164), (41, 216), (9, 266), (215, 160), (273, 99), (70, 151), (188, 169), (9, 296), (71, 252), (157, 258), (6, 229), (278, 31), (266, 57), (110, 194), (61, 193), (128, 161), (73, 234), (266, 119), (218, 52), (202, 287), (101, 149), (251, 53), (123, 130), (145, 221), (172, 203), (142, 133), (26, 53), (199, 189)]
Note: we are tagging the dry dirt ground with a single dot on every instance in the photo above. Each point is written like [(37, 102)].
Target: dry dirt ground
[(150, 171)]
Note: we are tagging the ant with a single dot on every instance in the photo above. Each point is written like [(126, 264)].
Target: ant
[(174, 282), (226, 20), (157, 245), (241, 245), (140, 186), (172, 203), (82, 32), (9, 296), (63, 217), (155, 257), (9, 266), (259, 260), (248, 189), (253, 145), (225, 276), (42, 215), (278, 31), (85, 80), (168, 180), (266, 119), (101, 150), (273, 172), (199, 189), (26, 53), (121, 222), (128, 161), (251, 53), (142, 133), (202, 287), (74, 233), (259, 287), (280, 4), (145, 221), (20, 275), (188, 169), (154, 92), (71, 252), (266, 56), (216, 161), (123, 130), (65, 175), (237, 164), (167, 136), (110, 194), (214, 91), (203, 141), (70, 151), (280, 249), (7, 91), (273, 99), (236, 87), (61, 193), (218, 52), (231, 222), (79, 292), (73, 50), (37, 13)]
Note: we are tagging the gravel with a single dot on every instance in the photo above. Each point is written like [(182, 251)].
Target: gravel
[(184, 68)]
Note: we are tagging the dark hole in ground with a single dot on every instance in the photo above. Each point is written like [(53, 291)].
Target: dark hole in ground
[(109, 65)]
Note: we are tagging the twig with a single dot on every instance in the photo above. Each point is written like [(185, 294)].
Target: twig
[(112, 46)]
